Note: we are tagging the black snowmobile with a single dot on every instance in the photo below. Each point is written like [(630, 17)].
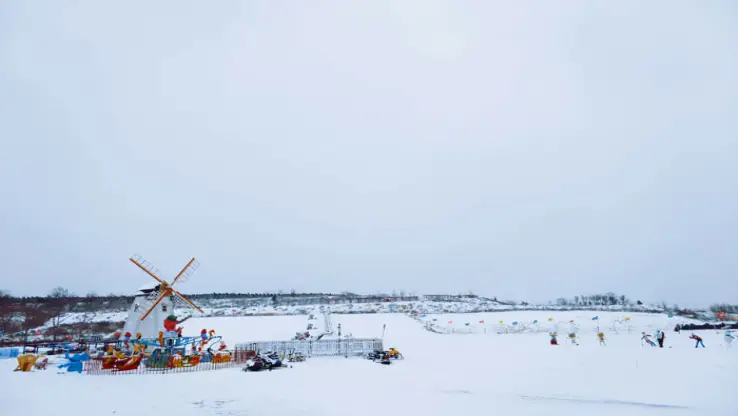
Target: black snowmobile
[(272, 358), (381, 357), (256, 364), (375, 355)]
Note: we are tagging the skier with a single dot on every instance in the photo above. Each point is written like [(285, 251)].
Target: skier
[(728, 337), (698, 340), (553, 336), (647, 339), (660, 337), (601, 336), (573, 338)]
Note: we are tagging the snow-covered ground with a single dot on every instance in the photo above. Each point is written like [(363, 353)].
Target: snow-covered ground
[(543, 321), (442, 374)]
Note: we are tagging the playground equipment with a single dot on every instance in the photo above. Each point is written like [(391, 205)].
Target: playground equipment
[(159, 344), (166, 353)]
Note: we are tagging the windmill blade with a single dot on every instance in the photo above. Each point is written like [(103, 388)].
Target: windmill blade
[(156, 302), (146, 267), (187, 271), (187, 301)]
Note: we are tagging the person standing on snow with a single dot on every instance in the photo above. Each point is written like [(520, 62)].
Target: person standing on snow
[(660, 338), (601, 336), (698, 340)]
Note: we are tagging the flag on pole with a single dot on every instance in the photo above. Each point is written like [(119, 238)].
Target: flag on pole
[(595, 318)]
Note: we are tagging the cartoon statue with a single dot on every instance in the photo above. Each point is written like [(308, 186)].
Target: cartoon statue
[(601, 337), (647, 339), (26, 362), (41, 364), (554, 340), (126, 338), (171, 330), (75, 362)]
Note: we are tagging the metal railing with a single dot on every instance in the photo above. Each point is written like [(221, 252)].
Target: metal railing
[(325, 347)]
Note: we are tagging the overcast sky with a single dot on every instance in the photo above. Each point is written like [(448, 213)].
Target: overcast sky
[(519, 149)]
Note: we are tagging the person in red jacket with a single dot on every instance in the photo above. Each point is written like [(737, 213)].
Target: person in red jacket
[(698, 341)]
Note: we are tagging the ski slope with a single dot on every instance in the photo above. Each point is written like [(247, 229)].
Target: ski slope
[(442, 374)]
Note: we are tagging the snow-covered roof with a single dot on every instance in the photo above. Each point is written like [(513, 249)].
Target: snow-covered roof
[(148, 287)]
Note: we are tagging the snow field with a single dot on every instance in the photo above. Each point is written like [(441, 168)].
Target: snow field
[(489, 322), (441, 375)]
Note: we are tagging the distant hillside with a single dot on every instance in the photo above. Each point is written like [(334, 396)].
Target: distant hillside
[(61, 315)]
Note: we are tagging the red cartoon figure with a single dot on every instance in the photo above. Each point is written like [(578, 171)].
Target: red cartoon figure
[(171, 330)]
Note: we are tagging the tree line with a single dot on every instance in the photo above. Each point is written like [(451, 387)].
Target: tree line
[(603, 299), (724, 307)]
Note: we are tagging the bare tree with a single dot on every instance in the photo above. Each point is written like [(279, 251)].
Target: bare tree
[(58, 307), (60, 293), (33, 316), (9, 313)]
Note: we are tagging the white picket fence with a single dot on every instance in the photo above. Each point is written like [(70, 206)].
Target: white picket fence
[(325, 347)]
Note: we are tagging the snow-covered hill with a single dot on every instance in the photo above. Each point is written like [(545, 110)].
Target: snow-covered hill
[(231, 307)]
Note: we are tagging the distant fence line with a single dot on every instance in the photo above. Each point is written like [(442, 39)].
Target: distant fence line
[(706, 326), (324, 347)]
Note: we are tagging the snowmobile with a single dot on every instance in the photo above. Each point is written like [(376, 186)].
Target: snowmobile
[(255, 364), (395, 354), (272, 358), (386, 359), (375, 355)]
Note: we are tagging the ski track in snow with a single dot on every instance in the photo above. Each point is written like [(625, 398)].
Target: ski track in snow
[(442, 374)]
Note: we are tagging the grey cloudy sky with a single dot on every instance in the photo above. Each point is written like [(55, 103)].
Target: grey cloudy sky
[(519, 149)]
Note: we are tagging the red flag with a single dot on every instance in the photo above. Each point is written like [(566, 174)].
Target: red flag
[(482, 321), (450, 321)]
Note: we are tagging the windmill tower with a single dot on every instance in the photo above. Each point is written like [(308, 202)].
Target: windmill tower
[(157, 300)]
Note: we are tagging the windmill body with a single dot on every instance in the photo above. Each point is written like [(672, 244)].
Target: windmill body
[(149, 327), (153, 303)]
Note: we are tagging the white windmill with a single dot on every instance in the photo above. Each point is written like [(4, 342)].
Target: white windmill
[(156, 301)]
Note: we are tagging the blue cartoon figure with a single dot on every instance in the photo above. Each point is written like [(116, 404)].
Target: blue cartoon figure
[(75, 362)]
